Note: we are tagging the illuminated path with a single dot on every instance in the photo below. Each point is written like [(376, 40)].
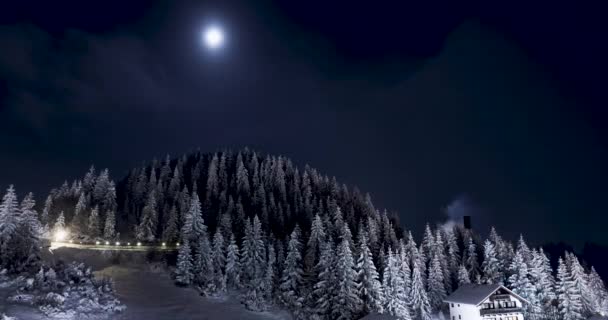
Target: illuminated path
[(113, 246)]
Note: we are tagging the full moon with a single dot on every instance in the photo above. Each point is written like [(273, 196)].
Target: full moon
[(213, 37)]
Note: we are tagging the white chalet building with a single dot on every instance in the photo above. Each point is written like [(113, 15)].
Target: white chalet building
[(485, 302)]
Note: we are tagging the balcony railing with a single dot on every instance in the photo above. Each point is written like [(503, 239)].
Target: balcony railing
[(500, 310)]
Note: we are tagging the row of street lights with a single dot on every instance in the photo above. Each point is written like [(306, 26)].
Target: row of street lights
[(61, 235), (118, 243)]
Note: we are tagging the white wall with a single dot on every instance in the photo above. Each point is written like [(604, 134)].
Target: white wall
[(465, 311)]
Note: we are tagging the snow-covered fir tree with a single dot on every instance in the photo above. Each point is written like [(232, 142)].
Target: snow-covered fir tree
[(184, 269), (313, 247), (370, 288), (394, 289), (59, 223), (436, 287), (490, 266), (570, 301), (146, 230), (420, 305), (94, 227), (291, 280), (19, 233), (519, 282), (463, 275), (109, 229), (347, 302), (253, 266), (472, 262), (324, 289), (233, 265), (170, 228), (78, 224)]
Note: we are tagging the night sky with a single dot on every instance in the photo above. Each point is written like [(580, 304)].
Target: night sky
[(497, 110)]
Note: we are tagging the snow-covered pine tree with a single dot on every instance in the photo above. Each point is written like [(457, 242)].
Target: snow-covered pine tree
[(45, 217), (313, 247), (599, 292), (370, 288), (292, 275), (519, 282), (490, 266), (29, 230), (324, 289), (88, 182), (184, 268), (242, 176), (394, 289), (233, 265), (453, 256), (463, 275), (270, 275), (541, 276), (9, 219), (78, 223), (203, 268), (524, 250), (219, 259), (109, 229), (570, 302), (435, 283), (346, 301), (253, 252), (440, 250), (101, 185), (580, 283), (427, 244), (404, 267), (170, 230), (253, 265), (471, 262), (94, 228), (59, 223), (420, 305), (146, 230)]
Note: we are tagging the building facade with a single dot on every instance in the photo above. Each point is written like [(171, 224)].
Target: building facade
[(485, 302)]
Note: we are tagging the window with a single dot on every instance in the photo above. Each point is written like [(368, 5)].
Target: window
[(459, 305), (459, 317), (452, 305)]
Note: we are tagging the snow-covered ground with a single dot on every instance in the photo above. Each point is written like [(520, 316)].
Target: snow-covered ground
[(148, 293), (152, 295)]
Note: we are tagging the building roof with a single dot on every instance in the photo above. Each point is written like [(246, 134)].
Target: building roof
[(476, 293)]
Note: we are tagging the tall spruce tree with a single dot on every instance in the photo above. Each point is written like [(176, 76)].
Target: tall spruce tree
[(570, 302), (93, 227), (184, 268), (109, 230), (394, 288), (370, 288), (421, 307), (347, 303), (291, 281), (436, 289), (324, 289), (490, 266), (233, 265)]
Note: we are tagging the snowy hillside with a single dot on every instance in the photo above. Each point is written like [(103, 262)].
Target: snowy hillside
[(273, 236)]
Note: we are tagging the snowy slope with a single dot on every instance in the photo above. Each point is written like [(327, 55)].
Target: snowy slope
[(152, 295)]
